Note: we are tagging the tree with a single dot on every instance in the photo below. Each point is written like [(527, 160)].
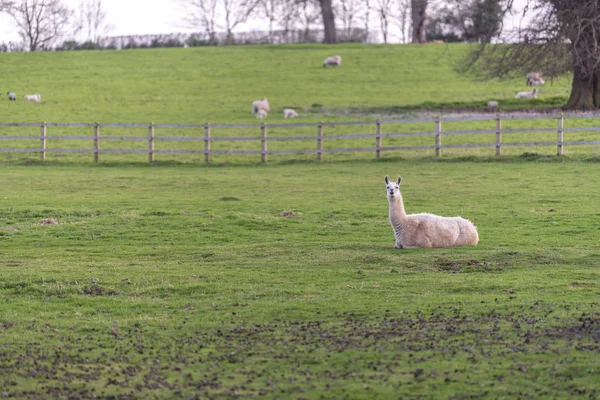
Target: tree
[(235, 13), (328, 21), (561, 36), (307, 16), (201, 14), (40, 22), (419, 20), (212, 14), (486, 20), (348, 12), (288, 12), (384, 12), (466, 21), (451, 22), (91, 20), (270, 10), (404, 7)]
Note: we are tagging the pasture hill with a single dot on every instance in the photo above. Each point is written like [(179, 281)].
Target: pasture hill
[(218, 84)]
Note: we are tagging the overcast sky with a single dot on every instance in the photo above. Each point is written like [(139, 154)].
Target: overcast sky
[(129, 17), (140, 17)]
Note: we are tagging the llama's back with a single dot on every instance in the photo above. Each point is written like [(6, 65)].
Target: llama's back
[(430, 230)]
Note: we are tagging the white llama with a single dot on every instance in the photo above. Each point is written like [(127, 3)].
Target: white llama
[(426, 230)]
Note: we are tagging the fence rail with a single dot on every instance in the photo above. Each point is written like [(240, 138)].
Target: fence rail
[(319, 138)]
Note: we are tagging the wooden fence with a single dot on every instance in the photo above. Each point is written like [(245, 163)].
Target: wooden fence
[(318, 138)]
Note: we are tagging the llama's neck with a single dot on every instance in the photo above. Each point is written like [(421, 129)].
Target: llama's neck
[(397, 213)]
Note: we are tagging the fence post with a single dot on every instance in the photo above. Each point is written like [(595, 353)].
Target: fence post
[(263, 142), (320, 141), (498, 135), (207, 142), (438, 137), (43, 141), (96, 142), (151, 142), (559, 146), (378, 139)]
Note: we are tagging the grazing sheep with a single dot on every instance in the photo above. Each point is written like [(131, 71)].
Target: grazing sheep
[(492, 105), (289, 113), (260, 114), (335, 60), (426, 230), (527, 95), (537, 82), (33, 97), (534, 78), (11, 96), (262, 104)]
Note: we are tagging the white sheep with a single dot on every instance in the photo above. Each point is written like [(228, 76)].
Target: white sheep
[(492, 105), (527, 95), (260, 114), (289, 113), (426, 230), (334, 60), (33, 97), (537, 82), (534, 78), (262, 104), (11, 96)]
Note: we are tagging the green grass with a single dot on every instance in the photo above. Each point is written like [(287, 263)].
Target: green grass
[(281, 281), (218, 84), (236, 279)]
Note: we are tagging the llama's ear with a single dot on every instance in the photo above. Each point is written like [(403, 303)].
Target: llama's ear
[(399, 180), (386, 180)]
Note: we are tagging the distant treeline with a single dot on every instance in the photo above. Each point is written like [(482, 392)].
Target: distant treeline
[(357, 35)]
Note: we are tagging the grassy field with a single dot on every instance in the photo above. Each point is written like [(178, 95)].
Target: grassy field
[(281, 281), (245, 280), (218, 84)]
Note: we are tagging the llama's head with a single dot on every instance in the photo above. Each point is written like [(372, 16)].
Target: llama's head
[(534, 91), (392, 188)]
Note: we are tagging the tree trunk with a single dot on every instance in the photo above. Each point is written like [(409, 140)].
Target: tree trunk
[(584, 91), (328, 21), (419, 20)]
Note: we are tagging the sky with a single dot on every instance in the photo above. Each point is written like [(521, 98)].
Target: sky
[(141, 17), (129, 17)]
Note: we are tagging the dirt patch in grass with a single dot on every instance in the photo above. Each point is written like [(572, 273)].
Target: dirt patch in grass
[(446, 265), (468, 356), (48, 221), (97, 290)]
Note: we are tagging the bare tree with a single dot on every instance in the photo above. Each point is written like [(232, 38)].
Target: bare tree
[(404, 21), (384, 12), (270, 10), (561, 36), (91, 19), (40, 22), (367, 16), (308, 15), (348, 13), (236, 12), (419, 20), (201, 14), (288, 13)]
